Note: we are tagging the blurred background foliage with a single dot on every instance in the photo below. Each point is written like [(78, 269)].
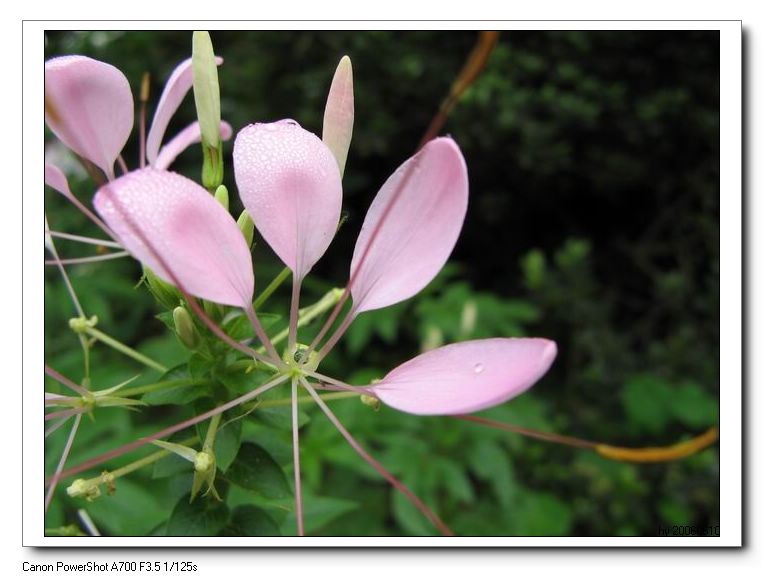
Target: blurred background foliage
[(594, 220)]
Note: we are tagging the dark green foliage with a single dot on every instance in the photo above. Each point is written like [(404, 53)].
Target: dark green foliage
[(593, 221)]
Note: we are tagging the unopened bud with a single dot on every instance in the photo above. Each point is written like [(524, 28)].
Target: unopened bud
[(247, 227), (165, 293), (221, 195), (203, 462), (469, 318), (371, 401), (206, 88), (81, 324), (83, 488), (184, 327)]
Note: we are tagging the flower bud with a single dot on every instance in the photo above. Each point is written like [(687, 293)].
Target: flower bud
[(203, 462), (247, 227), (221, 195), (371, 401), (207, 99), (206, 88), (165, 293), (184, 328), (83, 488)]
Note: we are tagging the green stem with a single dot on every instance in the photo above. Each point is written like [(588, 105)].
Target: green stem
[(124, 349), (307, 399), (209, 439), (110, 477), (160, 385), (272, 287)]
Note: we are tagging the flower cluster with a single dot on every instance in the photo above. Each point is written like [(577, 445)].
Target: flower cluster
[(290, 182)]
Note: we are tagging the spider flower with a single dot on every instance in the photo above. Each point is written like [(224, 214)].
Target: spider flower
[(289, 183)]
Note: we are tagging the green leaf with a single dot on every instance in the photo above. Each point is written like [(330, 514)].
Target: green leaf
[(117, 514), (693, 407), (181, 395), (256, 470), (491, 464), (646, 400), (227, 444), (206, 516), (238, 326), (318, 511), (248, 520), (541, 514)]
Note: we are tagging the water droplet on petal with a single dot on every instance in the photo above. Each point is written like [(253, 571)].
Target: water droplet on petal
[(478, 368)]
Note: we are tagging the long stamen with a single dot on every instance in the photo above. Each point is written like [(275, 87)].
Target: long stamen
[(65, 381), (330, 320), (84, 239), (62, 461), (296, 457), (57, 261), (64, 413), (91, 259), (427, 512), (51, 429), (173, 429)]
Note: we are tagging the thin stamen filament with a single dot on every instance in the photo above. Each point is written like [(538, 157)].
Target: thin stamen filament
[(427, 512), (175, 428), (91, 259), (65, 381), (124, 349), (296, 457), (62, 461), (84, 239)]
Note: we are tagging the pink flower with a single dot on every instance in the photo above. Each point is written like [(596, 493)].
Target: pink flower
[(290, 183)]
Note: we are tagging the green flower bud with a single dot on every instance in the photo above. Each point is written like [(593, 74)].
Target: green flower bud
[(371, 401), (247, 227), (184, 328), (165, 293), (206, 88), (207, 99), (221, 195)]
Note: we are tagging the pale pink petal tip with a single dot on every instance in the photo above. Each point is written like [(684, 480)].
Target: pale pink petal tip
[(290, 184), (339, 113), (411, 227), (467, 376), (178, 85), (188, 232), (190, 135), (89, 107)]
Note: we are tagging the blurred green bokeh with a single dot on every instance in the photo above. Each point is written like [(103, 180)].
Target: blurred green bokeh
[(594, 220)]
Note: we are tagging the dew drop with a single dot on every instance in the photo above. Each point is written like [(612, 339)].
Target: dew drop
[(478, 368)]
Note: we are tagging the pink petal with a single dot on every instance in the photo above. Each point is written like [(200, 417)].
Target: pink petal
[(188, 136), (290, 184), (89, 107), (176, 88), (56, 179), (412, 239), (466, 376), (185, 226), (339, 113)]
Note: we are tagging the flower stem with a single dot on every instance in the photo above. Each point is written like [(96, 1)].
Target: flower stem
[(418, 503), (158, 386), (271, 287), (124, 349), (296, 456)]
